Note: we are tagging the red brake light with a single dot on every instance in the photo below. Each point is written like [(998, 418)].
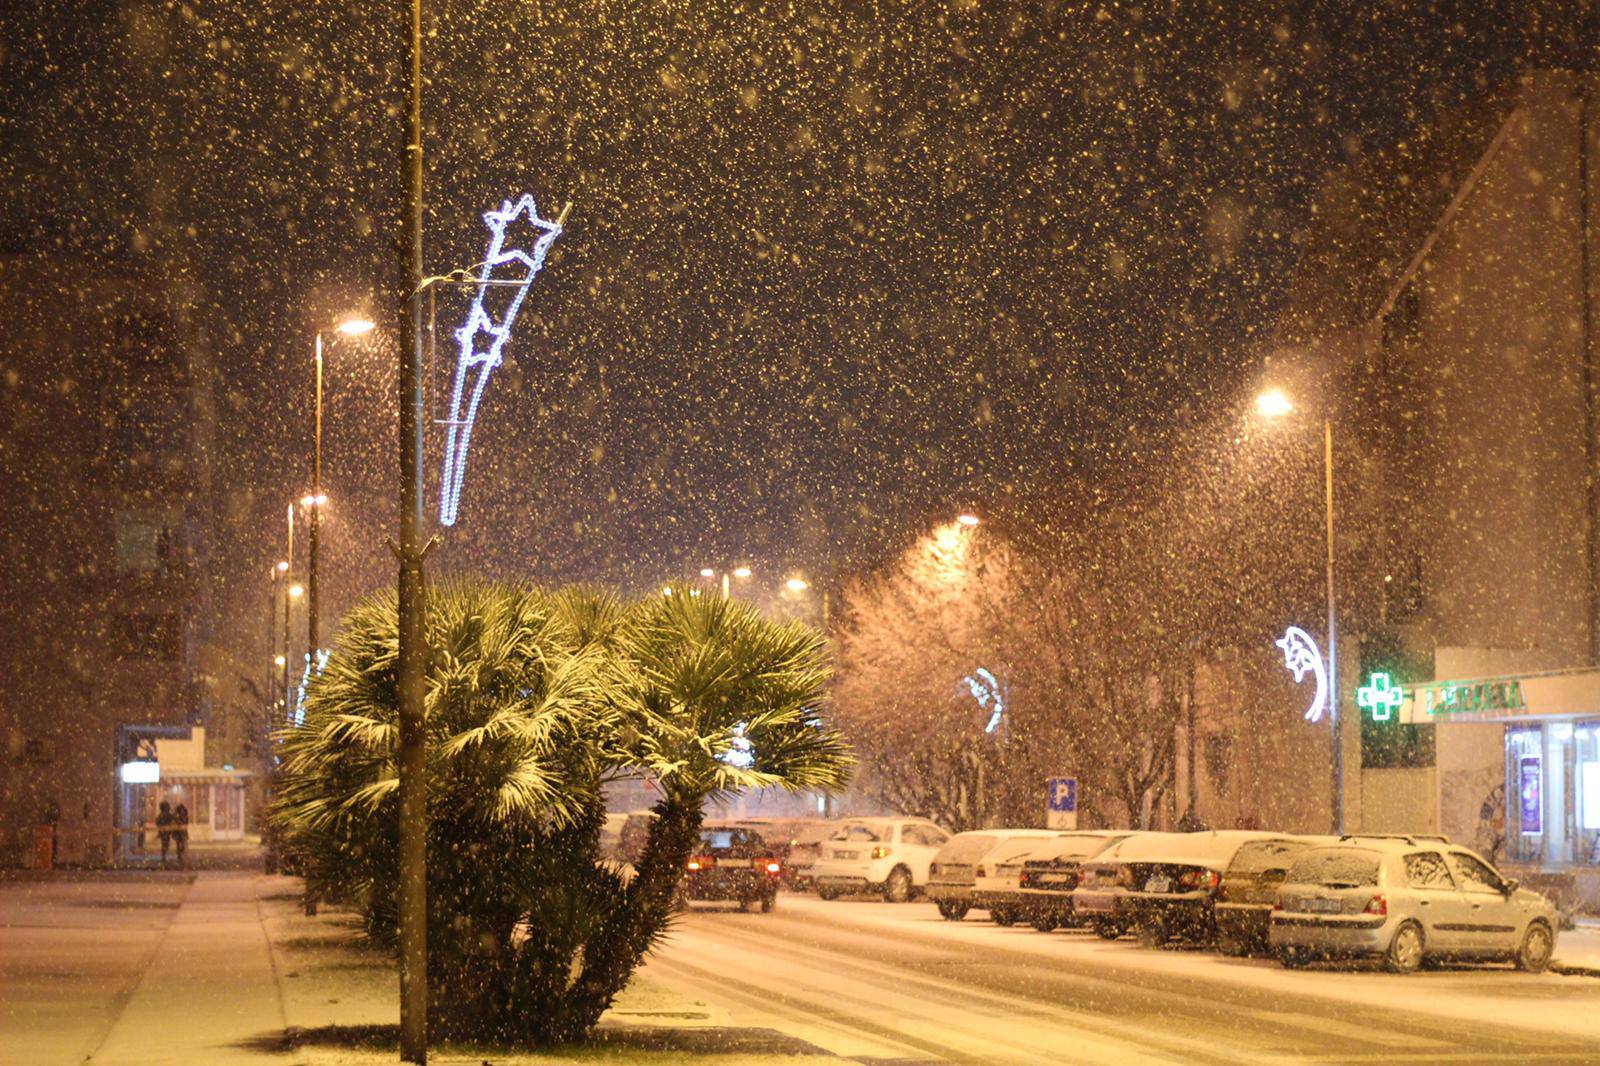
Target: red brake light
[(694, 864), (1376, 905), (1277, 902), (702, 862), (880, 852), (979, 871), (1198, 879)]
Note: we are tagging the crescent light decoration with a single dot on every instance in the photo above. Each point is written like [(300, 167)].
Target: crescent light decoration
[(518, 242), (1300, 655)]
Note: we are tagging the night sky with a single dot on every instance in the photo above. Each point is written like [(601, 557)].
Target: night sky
[(830, 269)]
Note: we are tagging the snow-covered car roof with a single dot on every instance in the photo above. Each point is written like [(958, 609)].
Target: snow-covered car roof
[(1074, 845), (1213, 849), (967, 847)]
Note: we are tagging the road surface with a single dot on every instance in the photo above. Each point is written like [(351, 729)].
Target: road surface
[(885, 983)]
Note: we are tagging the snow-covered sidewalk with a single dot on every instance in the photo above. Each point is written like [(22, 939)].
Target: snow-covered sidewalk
[(209, 990), (1578, 950)]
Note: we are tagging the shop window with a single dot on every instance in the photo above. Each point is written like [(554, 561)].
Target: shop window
[(1524, 794), (1586, 758)]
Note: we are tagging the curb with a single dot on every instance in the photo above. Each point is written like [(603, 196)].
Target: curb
[(1573, 969)]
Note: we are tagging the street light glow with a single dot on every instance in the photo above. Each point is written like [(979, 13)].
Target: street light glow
[(968, 519), (319, 500), (1274, 403), (278, 660), (708, 572), (666, 590), (743, 571), (796, 584), (356, 326), (297, 590), (283, 565)]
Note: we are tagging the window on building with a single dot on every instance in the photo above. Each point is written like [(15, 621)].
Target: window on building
[(1426, 869), (144, 542), (1219, 759), (157, 637)]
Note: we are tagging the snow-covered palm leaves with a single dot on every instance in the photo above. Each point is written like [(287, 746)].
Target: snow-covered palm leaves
[(534, 699)]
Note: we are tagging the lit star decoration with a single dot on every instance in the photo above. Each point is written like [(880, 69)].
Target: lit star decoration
[(482, 338), (1300, 654), (1381, 697)]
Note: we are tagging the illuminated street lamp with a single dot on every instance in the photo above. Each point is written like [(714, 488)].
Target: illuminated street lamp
[(797, 584), (740, 572), (967, 518), (1272, 404), (352, 326)]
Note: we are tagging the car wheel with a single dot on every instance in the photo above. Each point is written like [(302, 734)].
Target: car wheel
[(1405, 950), (897, 888), (767, 903), (1107, 930), (1294, 958), (952, 910), (828, 893), (1002, 916), (1537, 944), (1044, 921), (1152, 933)]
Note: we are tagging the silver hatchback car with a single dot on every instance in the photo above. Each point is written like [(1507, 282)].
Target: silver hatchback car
[(1406, 899)]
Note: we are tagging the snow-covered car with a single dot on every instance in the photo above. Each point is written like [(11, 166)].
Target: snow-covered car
[(732, 862), (887, 855), (1249, 885), (996, 880), (1406, 899), (799, 843), (1161, 885), (953, 873), (1048, 873)]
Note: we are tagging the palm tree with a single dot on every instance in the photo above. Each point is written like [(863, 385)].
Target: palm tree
[(534, 700)]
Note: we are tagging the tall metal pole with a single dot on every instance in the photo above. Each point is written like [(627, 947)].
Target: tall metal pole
[(410, 593), (288, 613), (273, 593), (313, 533), (1335, 716)]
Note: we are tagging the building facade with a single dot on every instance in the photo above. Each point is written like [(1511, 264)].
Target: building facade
[(104, 445)]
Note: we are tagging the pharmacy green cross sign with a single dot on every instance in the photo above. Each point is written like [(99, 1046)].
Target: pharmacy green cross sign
[(1380, 697)]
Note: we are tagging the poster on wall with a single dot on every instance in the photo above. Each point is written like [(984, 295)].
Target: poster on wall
[(1531, 793), (1589, 781)]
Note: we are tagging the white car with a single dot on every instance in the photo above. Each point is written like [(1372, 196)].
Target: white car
[(954, 872), (1406, 899), (888, 855)]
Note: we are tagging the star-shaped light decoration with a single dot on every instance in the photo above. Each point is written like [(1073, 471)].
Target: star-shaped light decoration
[(1300, 654), (488, 327)]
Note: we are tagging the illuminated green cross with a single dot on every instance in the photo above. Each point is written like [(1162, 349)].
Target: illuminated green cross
[(1381, 697)]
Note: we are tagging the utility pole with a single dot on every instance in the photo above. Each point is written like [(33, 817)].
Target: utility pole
[(288, 614), (1335, 712), (411, 592)]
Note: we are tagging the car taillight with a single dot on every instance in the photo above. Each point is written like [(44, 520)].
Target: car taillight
[(1198, 879), (774, 867), (1377, 905), (702, 862), (694, 864), (1025, 878), (880, 852), (979, 871), (1222, 893), (1277, 902), (933, 867)]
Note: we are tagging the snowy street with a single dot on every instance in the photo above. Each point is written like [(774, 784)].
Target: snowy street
[(872, 981)]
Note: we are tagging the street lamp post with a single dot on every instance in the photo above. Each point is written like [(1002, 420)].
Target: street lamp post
[(1275, 403), (740, 572), (315, 502), (288, 590)]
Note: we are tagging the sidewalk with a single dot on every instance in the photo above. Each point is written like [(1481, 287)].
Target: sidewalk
[(210, 985), (1578, 950)]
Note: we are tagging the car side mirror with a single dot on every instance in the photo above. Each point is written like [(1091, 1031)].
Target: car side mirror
[(1509, 886)]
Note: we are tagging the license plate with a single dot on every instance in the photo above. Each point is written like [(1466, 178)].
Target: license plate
[(1324, 906), (847, 855), (1051, 879), (1158, 884)]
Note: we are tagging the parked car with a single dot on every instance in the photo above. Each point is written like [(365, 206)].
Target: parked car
[(1249, 885), (887, 855), (1160, 885), (997, 877), (1407, 900), (1046, 876), (953, 872), (799, 843), (732, 862)]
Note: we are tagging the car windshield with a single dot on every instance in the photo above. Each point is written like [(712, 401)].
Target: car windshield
[(730, 839), (858, 831), (1260, 855), (1336, 868)]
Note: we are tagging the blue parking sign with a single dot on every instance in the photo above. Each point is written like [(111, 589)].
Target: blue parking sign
[(1063, 794)]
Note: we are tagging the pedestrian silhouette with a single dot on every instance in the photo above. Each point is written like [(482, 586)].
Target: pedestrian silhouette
[(164, 823), (180, 835)]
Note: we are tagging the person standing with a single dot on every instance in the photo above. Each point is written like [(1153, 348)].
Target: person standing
[(164, 824), (180, 835)]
